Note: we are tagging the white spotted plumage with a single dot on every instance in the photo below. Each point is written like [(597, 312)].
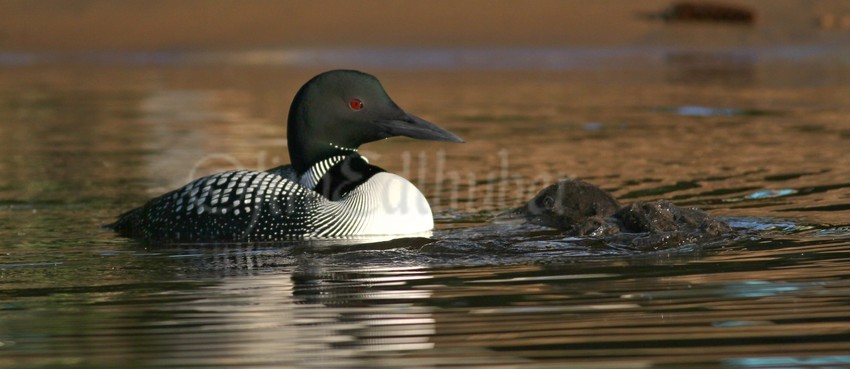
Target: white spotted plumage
[(250, 205), (331, 116)]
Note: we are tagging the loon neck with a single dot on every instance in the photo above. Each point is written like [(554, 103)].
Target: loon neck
[(306, 151), (311, 177), (314, 174)]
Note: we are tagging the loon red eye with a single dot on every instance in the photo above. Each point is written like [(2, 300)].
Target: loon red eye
[(355, 104)]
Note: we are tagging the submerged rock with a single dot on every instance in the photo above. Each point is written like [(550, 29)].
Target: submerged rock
[(582, 209)]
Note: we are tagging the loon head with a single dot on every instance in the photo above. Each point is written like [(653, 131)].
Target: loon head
[(337, 111)]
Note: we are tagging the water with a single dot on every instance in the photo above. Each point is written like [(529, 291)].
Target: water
[(760, 139)]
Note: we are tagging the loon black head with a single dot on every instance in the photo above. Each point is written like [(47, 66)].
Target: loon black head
[(337, 111)]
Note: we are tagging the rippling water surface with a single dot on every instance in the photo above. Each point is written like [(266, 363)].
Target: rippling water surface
[(763, 141)]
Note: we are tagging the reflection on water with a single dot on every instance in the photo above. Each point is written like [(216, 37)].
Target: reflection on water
[(80, 143), (726, 68), (250, 305)]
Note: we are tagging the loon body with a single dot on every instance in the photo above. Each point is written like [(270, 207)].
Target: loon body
[(329, 190)]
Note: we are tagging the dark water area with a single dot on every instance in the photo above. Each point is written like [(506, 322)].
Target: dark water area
[(761, 139)]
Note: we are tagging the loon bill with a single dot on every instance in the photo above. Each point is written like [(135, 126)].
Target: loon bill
[(329, 190)]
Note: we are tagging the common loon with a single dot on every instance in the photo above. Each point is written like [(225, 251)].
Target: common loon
[(329, 190)]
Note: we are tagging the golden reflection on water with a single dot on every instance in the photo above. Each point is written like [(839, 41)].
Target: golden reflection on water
[(625, 133), (80, 144), (621, 130)]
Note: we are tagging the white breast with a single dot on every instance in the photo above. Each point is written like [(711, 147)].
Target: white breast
[(386, 204)]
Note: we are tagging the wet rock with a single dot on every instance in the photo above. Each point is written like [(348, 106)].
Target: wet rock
[(707, 11), (582, 209)]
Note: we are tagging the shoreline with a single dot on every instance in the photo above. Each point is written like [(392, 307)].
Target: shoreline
[(197, 25)]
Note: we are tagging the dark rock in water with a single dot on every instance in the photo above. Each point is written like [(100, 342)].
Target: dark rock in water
[(582, 209), (705, 11)]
